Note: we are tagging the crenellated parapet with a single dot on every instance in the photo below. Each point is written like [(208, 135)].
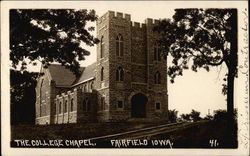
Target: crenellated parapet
[(151, 22), (137, 25), (112, 14), (119, 15), (68, 96)]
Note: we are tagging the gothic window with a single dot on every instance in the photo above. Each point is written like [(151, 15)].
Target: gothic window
[(157, 77), (157, 52), (102, 74), (157, 105), (120, 104), (60, 107), (119, 45), (102, 103), (72, 105), (91, 86), (41, 96), (85, 88), (102, 46), (119, 74), (65, 106), (86, 105)]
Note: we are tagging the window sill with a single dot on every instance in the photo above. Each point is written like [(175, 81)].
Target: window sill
[(119, 84), (119, 109)]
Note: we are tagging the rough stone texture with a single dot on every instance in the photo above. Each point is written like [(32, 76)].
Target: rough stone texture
[(43, 120), (139, 69)]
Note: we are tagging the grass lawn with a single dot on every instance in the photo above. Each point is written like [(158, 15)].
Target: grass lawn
[(201, 136), (73, 131)]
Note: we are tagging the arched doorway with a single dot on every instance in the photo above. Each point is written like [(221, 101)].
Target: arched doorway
[(138, 106)]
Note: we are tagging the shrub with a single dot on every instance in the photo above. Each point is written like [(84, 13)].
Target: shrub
[(172, 115)]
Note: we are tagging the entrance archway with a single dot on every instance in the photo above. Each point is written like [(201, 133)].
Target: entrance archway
[(138, 106)]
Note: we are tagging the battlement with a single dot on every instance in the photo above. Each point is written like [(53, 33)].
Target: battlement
[(150, 21), (64, 94), (124, 16), (119, 15), (138, 25)]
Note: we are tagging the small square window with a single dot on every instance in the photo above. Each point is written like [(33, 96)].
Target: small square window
[(157, 106), (120, 104)]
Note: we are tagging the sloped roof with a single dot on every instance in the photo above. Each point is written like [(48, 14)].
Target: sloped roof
[(88, 72), (64, 77), (61, 75)]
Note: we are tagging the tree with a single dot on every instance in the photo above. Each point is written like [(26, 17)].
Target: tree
[(50, 35), (223, 115), (208, 117), (22, 96), (172, 115), (185, 117), (203, 38), (195, 115)]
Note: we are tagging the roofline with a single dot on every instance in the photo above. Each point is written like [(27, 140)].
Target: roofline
[(63, 86), (83, 81)]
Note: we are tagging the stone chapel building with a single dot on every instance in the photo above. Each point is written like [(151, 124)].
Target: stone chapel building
[(127, 83)]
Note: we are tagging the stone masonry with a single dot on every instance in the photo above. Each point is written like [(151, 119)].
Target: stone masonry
[(127, 83)]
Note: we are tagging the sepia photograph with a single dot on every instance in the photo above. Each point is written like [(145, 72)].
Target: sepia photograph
[(140, 77)]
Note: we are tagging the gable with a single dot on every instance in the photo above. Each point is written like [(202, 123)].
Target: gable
[(88, 73), (61, 75), (65, 78)]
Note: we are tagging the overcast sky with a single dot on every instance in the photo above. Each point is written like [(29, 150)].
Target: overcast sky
[(200, 91)]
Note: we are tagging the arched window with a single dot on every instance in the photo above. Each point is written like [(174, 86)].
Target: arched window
[(119, 45), (72, 105), (60, 108), (41, 97), (157, 77), (102, 46), (102, 103), (157, 105), (91, 86), (157, 52), (65, 106), (102, 74), (85, 88), (119, 74), (86, 104)]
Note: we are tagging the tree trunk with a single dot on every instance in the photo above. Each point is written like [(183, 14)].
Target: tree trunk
[(232, 73), (230, 94), (232, 130), (232, 63)]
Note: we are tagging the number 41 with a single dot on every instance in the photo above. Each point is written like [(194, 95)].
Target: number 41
[(213, 142)]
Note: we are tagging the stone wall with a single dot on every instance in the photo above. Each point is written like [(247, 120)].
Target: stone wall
[(138, 64), (139, 69), (43, 120), (66, 107), (86, 114), (43, 99)]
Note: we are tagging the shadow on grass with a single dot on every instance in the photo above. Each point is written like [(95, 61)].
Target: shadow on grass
[(73, 131), (212, 134)]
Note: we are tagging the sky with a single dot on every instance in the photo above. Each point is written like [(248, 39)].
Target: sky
[(200, 91)]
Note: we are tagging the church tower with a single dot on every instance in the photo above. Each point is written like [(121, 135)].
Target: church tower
[(131, 78), (113, 65)]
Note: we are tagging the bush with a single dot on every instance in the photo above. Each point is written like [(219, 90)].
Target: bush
[(222, 115), (195, 115), (185, 117), (172, 115), (208, 117)]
